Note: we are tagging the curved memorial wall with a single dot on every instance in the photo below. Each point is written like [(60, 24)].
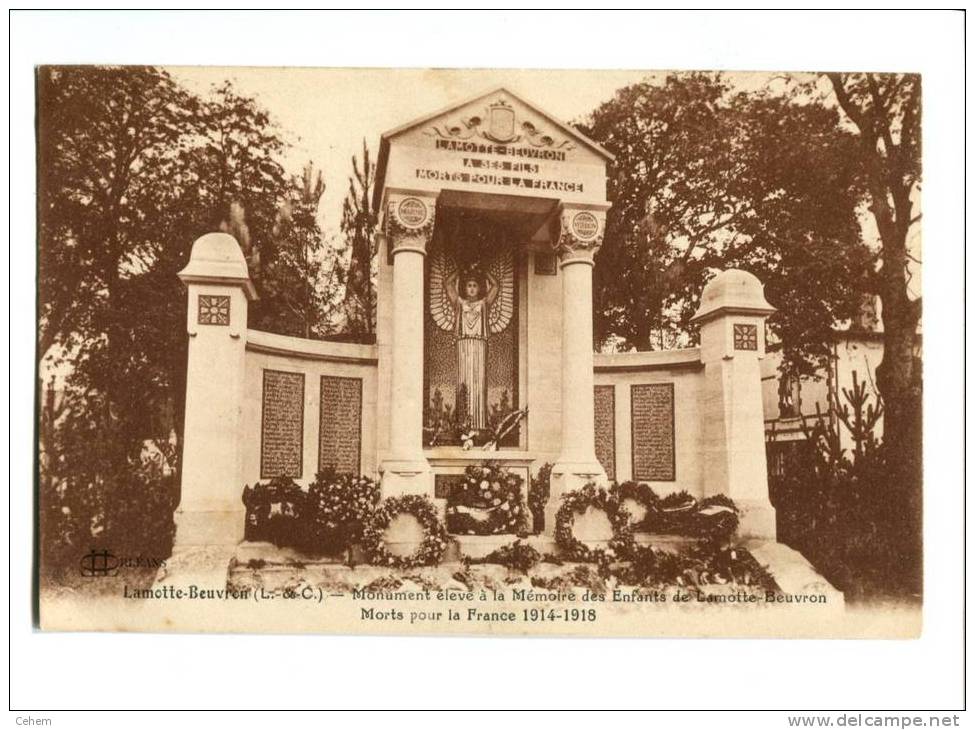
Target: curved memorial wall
[(309, 405)]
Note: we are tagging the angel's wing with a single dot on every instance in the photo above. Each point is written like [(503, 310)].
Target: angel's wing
[(503, 270), (441, 308)]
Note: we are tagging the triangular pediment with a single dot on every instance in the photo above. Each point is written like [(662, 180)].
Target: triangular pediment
[(493, 143), (498, 116)]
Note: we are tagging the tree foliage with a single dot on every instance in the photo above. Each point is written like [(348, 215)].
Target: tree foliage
[(133, 168), (885, 111), (359, 218), (707, 178)]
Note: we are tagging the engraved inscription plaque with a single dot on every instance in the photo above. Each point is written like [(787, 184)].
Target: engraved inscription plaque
[(282, 424), (652, 424), (443, 484), (340, 424), (605, 423), (546, 264)]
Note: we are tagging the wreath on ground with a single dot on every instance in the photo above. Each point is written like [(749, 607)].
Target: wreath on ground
[(714, 519), (434, 542), (640, 493), (701, 565), (673, 515), (487, 501), (338, 506), (274, 512), (518, 555), (576, 503)]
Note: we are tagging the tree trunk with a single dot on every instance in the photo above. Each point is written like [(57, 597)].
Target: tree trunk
[(892, 169), (899, 382)]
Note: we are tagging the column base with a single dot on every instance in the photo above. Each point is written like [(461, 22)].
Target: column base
[(203, 548), (757, 519), (568, 476), (406, 476), (201, 528), (199, 566)]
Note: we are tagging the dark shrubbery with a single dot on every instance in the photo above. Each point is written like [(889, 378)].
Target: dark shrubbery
[(129, 515), (840, 509), (840, 517)]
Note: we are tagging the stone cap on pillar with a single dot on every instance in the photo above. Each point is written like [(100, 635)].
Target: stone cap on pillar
[(216, 258), (733, 291)]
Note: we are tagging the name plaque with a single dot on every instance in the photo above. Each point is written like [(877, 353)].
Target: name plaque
[(443, 484), (605, 423), (340, 424), (652, 424), (282, 424)]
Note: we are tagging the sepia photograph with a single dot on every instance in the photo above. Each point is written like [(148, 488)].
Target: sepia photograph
[(487, 367), (439, 349)]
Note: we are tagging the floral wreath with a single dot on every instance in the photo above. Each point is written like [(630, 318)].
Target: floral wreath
[(716, 519), (642, 494), (576, 502), (486, 501), (338, 506), (272, 510), (435, 538)]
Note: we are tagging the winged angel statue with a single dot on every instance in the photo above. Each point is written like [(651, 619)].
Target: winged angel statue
[(480, 306)]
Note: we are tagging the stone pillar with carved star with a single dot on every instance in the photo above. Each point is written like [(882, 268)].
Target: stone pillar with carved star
[(732, 318), (580, 235), (210, 518), (408, 227)]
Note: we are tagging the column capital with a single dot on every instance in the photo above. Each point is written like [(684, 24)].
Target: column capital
[(580, 234), (408, 223)]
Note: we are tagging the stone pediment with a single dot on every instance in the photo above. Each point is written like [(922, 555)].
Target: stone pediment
[(495, 143)]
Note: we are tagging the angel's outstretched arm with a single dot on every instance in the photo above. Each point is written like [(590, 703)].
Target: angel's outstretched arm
[(493, 289), (450, 286)]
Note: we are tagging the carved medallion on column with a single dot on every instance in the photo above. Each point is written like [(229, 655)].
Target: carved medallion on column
[(580, 234), (409, 222)]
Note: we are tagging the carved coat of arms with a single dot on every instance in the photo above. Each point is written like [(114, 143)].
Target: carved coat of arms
[(501, 123)]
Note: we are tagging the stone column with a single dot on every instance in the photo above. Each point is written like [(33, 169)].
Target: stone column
[(210, 517), (581, 234), (732, 319), (408, 227)]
